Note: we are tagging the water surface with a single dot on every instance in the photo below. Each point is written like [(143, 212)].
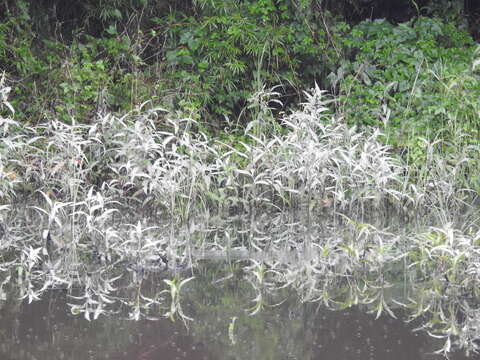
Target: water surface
[(223, 327)]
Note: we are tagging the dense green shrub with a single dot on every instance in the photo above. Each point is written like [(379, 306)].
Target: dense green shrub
[(227, 50), (208, 60), (412, 79), (55, 79)]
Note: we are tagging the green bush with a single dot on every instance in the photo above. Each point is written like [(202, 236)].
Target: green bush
[(227, 50), (206, 61), (55, 79), (413, 79)]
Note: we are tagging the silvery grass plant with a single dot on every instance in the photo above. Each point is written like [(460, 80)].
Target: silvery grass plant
[(152, 160), (444, 181), (330, 164)]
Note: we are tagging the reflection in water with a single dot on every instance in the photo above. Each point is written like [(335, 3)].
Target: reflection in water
[(262, 289), (44, 330), (290, 330)]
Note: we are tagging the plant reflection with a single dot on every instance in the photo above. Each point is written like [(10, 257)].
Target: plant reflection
[(429, 276)]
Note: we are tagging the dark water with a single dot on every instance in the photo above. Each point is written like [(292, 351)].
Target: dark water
[(284, 328)]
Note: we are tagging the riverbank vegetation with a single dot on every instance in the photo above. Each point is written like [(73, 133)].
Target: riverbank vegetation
[(137, 134)]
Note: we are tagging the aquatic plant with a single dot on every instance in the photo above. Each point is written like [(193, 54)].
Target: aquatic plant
[(174, 290)]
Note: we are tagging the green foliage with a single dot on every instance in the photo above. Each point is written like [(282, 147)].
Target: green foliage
[(66, 81), (212, 60), (17, 54), (228, 50), (411, 79), (101, 74)]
